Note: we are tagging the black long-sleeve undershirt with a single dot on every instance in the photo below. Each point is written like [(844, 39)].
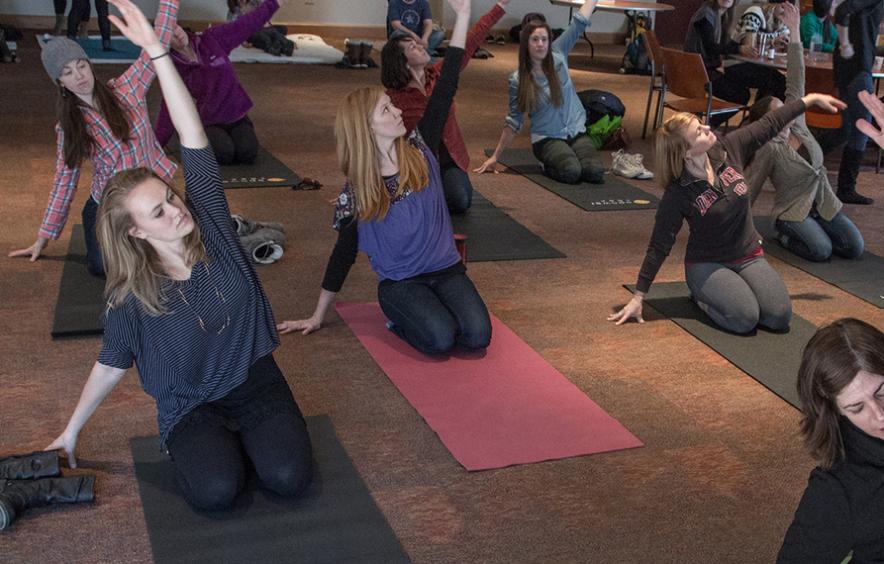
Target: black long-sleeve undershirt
[(431, 127)]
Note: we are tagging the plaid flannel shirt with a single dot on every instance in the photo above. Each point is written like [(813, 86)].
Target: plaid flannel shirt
[(111, 155)]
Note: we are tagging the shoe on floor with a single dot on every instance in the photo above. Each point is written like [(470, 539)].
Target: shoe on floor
[(854, 197), (267, 253), (630, 165)]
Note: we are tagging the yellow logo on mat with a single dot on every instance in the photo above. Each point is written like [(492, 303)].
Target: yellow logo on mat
[(641, 202), (275, 179)]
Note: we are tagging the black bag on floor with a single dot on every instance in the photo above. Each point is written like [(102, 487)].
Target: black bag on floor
[(599, 104)]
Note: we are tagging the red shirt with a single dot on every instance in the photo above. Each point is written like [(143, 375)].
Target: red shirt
[(413, 102)]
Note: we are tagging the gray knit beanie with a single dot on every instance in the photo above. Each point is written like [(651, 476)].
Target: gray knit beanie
[(58, 52)]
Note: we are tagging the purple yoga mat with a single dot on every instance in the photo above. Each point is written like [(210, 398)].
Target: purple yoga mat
[(497, 408)]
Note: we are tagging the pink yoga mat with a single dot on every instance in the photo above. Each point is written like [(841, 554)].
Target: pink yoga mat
[(501, 407)]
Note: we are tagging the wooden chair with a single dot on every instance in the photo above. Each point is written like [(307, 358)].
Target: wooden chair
[(657, 84), (686, 77)]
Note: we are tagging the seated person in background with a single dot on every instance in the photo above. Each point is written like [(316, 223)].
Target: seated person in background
[(269, 38), (818, 22), (841, 386), (707, 35), (412, 18), (203, 63), (542, 88), (808, 214), (409, 78), (762, 17)]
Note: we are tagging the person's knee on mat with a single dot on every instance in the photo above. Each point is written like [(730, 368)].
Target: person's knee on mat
[(736, 318), (224, 156), (777, 319), (458, 204), (213, 493), (593, 174), (569, 172), (438, 342), (288, 480)]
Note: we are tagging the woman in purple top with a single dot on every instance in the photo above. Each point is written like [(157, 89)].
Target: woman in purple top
[(203, 62), (393, 208)]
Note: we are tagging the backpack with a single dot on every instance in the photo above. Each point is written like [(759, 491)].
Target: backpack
[(636, 61), (599, 104)]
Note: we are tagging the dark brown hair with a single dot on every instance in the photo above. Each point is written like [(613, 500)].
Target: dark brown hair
[(831, 360), (78, 143), (528, 91), (394, 64), (726, 18)]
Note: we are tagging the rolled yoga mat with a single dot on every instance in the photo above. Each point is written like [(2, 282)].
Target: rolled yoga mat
[(613, 195), (772, 359), (494, 235), (125, 52), (80, 302), (864, 277), (266, 171), (491, 409), (336, 521)]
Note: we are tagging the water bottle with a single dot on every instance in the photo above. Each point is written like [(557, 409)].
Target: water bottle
[(816, 47)]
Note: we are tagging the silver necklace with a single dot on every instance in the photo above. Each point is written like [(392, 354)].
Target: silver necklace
[(220, 297)]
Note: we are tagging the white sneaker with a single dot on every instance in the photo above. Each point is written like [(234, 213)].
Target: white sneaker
[(630, 166), (267, 253)]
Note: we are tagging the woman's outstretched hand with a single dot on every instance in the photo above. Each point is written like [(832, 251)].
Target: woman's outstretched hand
[(876, 108), (133, 24), (461, 7), (68, 444), (632, 309), (305, 326), (824, 102), (490, 165), (33, 252)]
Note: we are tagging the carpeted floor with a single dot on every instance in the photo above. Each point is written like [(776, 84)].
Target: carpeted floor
[(717, 481)]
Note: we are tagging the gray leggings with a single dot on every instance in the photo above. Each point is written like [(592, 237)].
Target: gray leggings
[(740, 296)]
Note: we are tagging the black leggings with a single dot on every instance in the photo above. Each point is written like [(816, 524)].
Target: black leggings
[(258, 421), (233, 142), (80, 12), (733, 85), (60, 6)]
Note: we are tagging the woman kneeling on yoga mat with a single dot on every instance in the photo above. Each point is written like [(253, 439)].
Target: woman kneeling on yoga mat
[(410, 78), (107, 124), (393, 208), (841, 386), (725, 267), (808, 215), (202, 60), (542, 88), (185, 304)]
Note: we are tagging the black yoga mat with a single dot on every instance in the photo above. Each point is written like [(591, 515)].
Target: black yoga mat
[(266, 171), (864, 278), (613, 195), (336, 521), (494, 235), (80, 300), (772, 359)]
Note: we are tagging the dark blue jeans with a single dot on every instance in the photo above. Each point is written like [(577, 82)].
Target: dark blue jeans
[(458, 188), (433, 312), (94, 263), (816, 239), (855, 138)]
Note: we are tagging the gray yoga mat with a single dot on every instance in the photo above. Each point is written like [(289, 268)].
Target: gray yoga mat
[(80, 301), (864, 278), (494, 235), (613, 195), (266, 171), (336, 521), (772, 359)]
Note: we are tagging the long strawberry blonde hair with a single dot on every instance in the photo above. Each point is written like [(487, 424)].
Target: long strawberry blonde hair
[(358, 156), (671, 147)]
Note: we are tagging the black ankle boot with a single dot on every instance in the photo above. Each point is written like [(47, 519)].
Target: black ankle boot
[(847, 173), (38, 464), (18, 495), (352, 55)]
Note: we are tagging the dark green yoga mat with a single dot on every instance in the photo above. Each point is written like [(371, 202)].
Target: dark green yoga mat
[(772, 359), (494, 235), (80, 300), (266, 171), (864, 278), (336, 521), (613, 195)]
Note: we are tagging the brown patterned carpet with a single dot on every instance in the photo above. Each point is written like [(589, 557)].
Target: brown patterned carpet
[(722, 470)]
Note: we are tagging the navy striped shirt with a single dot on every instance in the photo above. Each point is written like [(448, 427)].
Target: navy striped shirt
[(181, 365)]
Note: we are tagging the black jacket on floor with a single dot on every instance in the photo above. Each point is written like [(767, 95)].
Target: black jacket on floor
[(843, 508)]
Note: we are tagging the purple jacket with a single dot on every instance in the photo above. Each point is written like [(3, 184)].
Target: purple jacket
[(211, 80)]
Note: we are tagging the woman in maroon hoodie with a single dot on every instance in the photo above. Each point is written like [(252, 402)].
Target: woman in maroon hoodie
[(202, 60), (702, 174)]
